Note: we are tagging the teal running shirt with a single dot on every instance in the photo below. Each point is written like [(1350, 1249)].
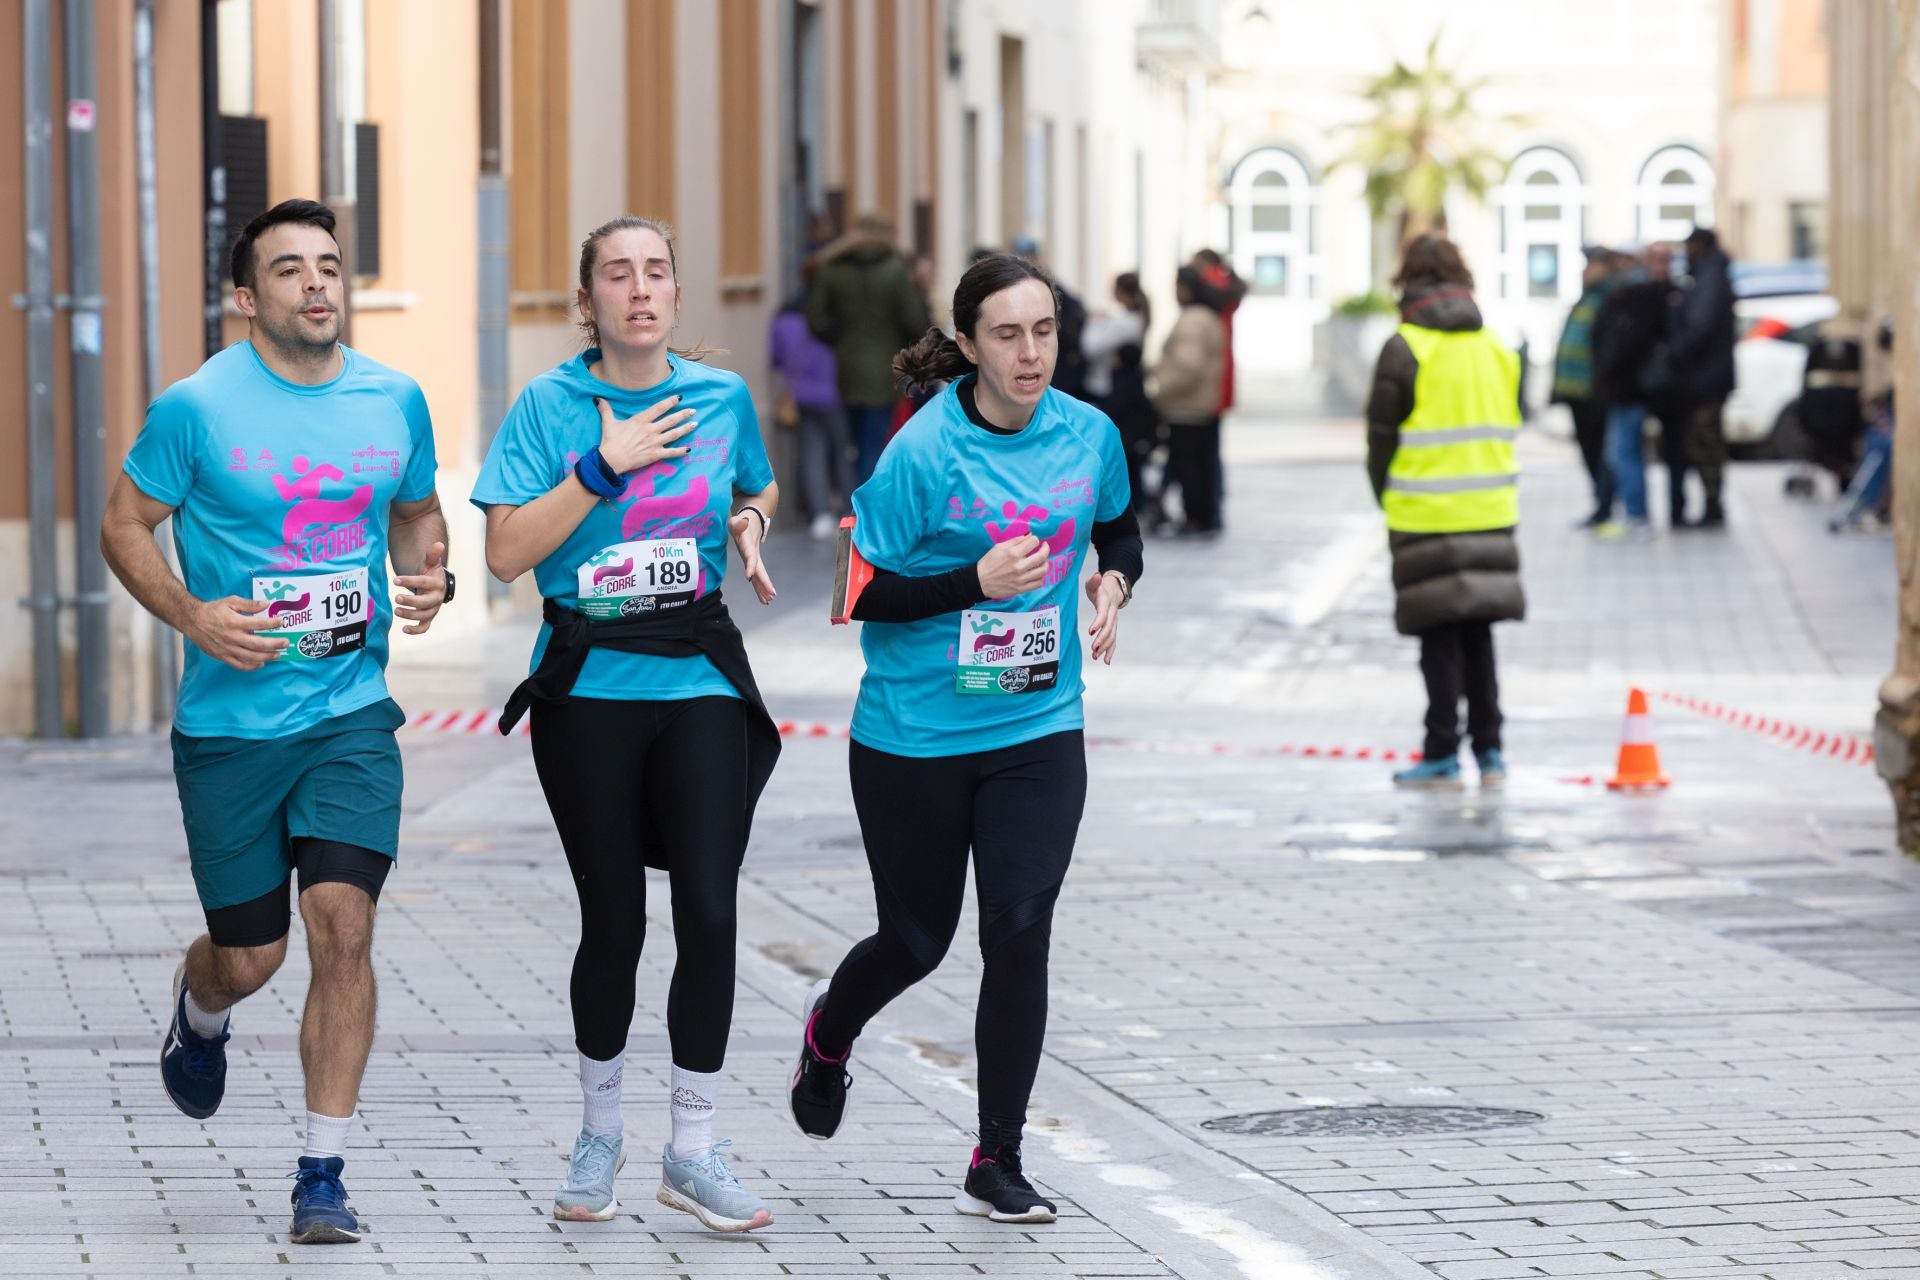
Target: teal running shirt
[(944, 493), (281, 492)]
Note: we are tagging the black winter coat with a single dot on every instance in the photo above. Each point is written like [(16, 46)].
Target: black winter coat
[(1701, 332), (1438, 578), (1630, 363)]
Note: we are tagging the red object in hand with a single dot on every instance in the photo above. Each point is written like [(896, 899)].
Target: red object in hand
[(851, 574)]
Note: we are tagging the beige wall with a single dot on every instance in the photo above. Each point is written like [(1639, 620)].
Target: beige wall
[(1774, 123)]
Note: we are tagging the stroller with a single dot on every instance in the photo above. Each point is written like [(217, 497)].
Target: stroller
[(1830, 420), (1868, 500)]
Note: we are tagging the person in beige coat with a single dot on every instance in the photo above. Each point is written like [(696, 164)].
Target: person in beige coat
[(1187, 393)]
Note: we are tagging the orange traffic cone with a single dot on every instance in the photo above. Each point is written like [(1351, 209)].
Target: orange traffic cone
[(1639, 767)]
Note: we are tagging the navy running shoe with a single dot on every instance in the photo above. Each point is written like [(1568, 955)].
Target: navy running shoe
[(320, 1213), (193, 1067)]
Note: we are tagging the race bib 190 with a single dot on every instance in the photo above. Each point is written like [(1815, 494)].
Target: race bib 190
[(1004, 652), (319, 615), (640, 577)]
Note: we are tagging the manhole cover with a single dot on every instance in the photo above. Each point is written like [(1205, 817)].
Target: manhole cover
[(1385, 1122)]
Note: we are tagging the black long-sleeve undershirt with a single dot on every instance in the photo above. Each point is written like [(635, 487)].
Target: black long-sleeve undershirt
[(895, 597)]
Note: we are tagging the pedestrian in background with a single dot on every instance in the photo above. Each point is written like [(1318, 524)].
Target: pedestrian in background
[(1631, 372), (865, 306), (1222, 289), (1114, 345), (1186, 391), (812, 387), (1573, 383), (1441, 422), (1701, 340)]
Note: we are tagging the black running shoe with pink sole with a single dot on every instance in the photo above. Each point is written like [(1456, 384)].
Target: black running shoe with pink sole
[(997, 1189), (818, 1093)]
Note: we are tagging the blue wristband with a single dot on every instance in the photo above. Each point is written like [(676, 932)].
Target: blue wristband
[(599, 478)]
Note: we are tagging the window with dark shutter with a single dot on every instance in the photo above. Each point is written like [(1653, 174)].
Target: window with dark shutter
[(243, 153), (366, 207)]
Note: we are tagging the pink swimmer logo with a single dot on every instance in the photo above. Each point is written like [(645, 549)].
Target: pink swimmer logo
[(1059, 543), (309, 508), (316, 529), (279, 607), (991, 641), (646, 506)]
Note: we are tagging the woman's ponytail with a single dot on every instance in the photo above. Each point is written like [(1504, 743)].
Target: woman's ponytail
[(934, 359)]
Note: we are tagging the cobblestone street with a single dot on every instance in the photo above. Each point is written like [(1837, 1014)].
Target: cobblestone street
[(1696, 1014)]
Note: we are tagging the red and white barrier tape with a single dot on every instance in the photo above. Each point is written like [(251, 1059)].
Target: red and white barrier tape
[(484, 721), (1799, 737)]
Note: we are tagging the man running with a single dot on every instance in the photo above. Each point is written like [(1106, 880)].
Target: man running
[(292, 466)]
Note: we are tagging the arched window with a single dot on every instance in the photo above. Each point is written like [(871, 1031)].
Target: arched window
[(1271, 196), (1541, 205), (1674, 194)]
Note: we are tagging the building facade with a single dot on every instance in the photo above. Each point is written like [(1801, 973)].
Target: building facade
[(1773, 128), (470, 146), (1605, 116)]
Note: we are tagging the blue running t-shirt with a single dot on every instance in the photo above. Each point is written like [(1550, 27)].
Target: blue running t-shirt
[(663, 543), (281, 493), (944, 493)]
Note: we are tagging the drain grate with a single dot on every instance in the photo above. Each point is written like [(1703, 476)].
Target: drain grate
[(1372, 1121)]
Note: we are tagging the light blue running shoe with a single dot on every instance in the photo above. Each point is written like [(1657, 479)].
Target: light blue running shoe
[(587, 1194), (1430, 775), (707, 1189), (1493, 768)]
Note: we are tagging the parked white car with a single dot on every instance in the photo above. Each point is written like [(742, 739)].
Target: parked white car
[(1769, 364)]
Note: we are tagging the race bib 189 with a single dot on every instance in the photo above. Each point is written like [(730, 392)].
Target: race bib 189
[(1004, 652), (640, 577), (319, 615)]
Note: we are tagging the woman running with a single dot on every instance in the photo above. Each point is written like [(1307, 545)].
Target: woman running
[(967, 733), (618, 479)]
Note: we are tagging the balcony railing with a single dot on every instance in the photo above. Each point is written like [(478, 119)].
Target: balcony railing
[(1182, 34)]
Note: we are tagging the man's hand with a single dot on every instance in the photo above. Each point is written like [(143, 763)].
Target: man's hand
[(227, 630), (426, 591), (1013, 567), (1104, 590), (748, 530)]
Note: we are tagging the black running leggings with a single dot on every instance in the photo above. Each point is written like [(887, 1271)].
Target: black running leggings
[(1018, 809), (623, 776)]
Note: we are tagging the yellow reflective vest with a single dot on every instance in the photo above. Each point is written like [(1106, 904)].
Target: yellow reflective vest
[(1454, 470)]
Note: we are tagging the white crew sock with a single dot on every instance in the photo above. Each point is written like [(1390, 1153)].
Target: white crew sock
[(600, 1093), (327, 1135), (203, 1023), (694, 1093)]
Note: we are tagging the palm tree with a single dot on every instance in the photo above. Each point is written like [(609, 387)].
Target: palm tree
[(1421, 142)]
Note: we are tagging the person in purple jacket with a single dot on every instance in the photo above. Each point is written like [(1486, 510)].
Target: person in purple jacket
[(826, 449)]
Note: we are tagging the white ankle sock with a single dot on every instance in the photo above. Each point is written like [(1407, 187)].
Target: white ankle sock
[(202, 1022), (327, 1135), (694, 1094), (600, 1092)]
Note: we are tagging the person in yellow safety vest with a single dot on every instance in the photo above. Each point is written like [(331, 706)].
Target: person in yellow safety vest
[(1442, 418)]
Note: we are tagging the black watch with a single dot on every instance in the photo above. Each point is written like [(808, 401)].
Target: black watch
[(448, 598)]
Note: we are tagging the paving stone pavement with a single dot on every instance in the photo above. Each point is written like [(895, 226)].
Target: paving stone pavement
[(1710, 998)]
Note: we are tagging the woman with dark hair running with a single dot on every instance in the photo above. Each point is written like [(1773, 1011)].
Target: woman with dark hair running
[(967, 733), (618, 479)]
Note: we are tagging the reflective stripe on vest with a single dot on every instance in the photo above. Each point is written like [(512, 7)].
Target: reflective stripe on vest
[(1454, 470)]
